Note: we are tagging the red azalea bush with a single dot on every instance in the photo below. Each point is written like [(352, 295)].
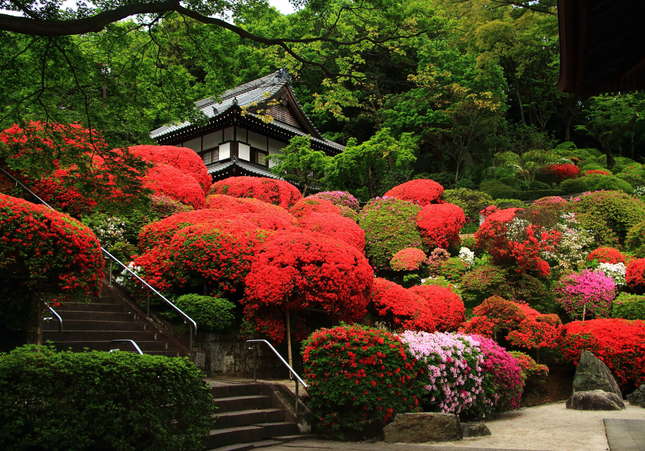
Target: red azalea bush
[(359, 379), (597, 171), (635, 275), (308, 205), (335, 226), (295, 271), (182, 158), (518, 323), (446, 307), (529, 366), (340, 198), (265, 215), (57, 192), (563, 171), (46, 252), (408, 259), (208, 258), (172, 182), (440, 224), (401, 308), (277, 192), (514, 240), (420, 191), (606, 255), (619, 343)]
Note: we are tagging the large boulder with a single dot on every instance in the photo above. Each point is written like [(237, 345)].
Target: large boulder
[(476, 429), (637, 397), (595, 400), (593, 374), (423, 427)]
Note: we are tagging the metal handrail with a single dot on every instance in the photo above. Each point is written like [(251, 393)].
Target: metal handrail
[(55, 313), (113, 258), (127, 340), (298, 379)]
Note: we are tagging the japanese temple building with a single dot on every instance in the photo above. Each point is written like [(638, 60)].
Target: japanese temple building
[(244, 126)]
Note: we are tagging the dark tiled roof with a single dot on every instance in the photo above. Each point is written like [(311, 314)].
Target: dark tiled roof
[(227, 165)]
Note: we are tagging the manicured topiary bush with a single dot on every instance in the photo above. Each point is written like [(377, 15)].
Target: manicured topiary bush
[(408, 259), (597, 171), (212, 314), (297, 271), (454, 365), (277, 192), (389, 226), (563, 171), (440, 224), (308, 205), (420, 191), (606, 255), (635, 275), (182, 158), (445, 305), (359, 378), (635, 240), (400, 308), (335, 226), (482, 282), (595, 182), (629, 306), (471, 201), (174, 183), (550, 200), (587, 294), (529, 366), (620, 343), (340, 198), (70, 400), (609, 215), (453, 269)]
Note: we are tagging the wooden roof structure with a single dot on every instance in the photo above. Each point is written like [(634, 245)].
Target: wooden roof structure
[(602, 46)]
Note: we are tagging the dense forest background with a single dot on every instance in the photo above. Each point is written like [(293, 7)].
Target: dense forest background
[(443, 85)]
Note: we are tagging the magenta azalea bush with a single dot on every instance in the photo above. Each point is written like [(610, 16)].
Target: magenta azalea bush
[(586, 294), (455, 368), (340, 198)]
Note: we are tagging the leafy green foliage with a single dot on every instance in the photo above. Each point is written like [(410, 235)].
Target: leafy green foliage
[(213, 314), (99, 400), (471, 201), (629, 306), (480, 283), (301, 165), (635, 240), (595, 182)]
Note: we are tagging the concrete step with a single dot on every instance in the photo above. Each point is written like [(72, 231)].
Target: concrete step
[(239, 434), (106, 345), (91, 307), (223, 389), (247, 446), (245, 417), (236, 403), (98, 315), (89, 324), (279, 428), (97, 335)]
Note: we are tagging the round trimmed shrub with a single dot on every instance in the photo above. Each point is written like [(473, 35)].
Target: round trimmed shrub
[(67, 400), (174, 183), (389, 226), (446, 306), (470, 200), (212, 314), (359, 378), (277, 192), (339, 198), (635, 275), (419, 191), (480, 283), (440, 224), (453, 269), (335, 226), (619, 343), (401, 308), (408, 259), (596, 182), (629, 306), (562, 171), (306, 206), (606, 255)]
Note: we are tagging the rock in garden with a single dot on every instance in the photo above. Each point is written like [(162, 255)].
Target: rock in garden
[(595, 400), (593, 374), (423, 427), (637, 397), (474, 429)]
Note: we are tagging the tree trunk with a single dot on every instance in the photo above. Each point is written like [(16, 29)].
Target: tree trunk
[(33, 322), (289, 352)]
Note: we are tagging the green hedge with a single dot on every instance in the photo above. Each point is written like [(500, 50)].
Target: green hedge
[(213, 314), (99, 400), (629, 306)]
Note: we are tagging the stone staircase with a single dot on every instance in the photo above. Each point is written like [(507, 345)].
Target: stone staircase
[(96, 324), (249, 415)]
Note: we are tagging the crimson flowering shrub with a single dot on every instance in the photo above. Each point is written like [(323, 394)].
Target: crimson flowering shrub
[(172, 182), (517, 323), (208, 258), (340, 198), (454, 365), (586, 294), (335, 226), (619, 343), (308, 205), (265, 215), (295, 271), (606, 255), (446, 307), (514, 240), (46, 252), (182, 158), (277, 192), (420, 191), (597, 171), (408, 259), (389, 226), (635, 275), (401, 308), (563, 171), (440, 224), (359, 378)]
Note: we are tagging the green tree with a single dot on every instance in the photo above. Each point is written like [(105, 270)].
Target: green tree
[(301, 165)]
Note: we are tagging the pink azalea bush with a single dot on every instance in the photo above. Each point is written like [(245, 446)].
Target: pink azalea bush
[(340, 198), (586, 294)]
